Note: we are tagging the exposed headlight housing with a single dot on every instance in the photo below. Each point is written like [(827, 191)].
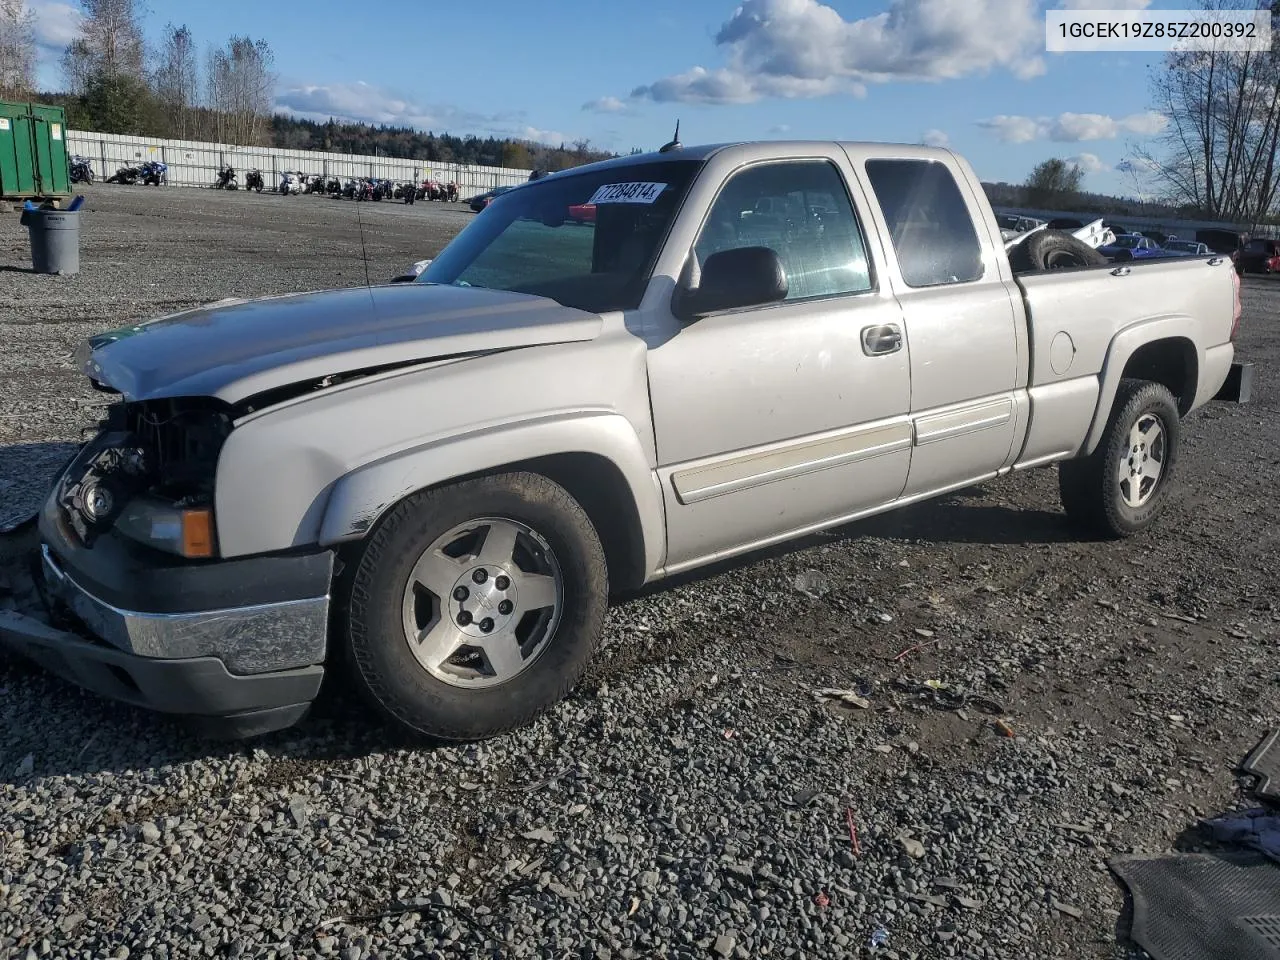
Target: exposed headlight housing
[(184, 531)]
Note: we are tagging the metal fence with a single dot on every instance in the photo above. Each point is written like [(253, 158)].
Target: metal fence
[(195, 164)]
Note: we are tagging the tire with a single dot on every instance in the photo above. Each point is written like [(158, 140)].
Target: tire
[(1092, 490), (1053, 250), (390, 599)]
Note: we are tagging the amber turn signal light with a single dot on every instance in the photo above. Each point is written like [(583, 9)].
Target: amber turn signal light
[(197, 533)]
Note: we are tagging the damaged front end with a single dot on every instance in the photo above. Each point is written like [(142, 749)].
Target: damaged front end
[(149, 475), (117, 584)]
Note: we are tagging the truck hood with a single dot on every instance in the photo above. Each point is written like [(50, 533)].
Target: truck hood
[(236, 349)]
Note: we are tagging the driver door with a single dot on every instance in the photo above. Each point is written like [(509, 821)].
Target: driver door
[(774, 419)]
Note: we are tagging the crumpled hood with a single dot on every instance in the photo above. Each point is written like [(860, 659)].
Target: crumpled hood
[(237, 349)]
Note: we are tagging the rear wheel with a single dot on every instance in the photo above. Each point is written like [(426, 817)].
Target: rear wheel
[(476, 607), (1122, 487)]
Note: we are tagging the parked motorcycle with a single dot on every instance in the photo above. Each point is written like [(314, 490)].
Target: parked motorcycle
[(226, 179), (253, 180), (153, 173), (81, 170), (334, 187), (127, 174), (291, 183), (451, 193)]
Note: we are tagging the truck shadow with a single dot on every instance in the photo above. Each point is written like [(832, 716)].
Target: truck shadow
[(955, 519), (96, 735)]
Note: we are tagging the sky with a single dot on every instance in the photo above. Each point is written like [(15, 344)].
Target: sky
[(970, 74)]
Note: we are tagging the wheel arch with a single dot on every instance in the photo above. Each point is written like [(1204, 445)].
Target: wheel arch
[(1163, 350), (597, 458)]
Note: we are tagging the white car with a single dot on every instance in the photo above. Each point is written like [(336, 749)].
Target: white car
[(1011, 225)]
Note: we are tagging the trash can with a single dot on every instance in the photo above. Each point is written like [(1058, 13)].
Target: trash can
[(55, 240)]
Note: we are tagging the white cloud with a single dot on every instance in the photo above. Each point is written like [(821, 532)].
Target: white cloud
[(56, 24), (1089, 163), (366, 103), (1013, 129), (607, 105), (1105, 4), (935, 138), (538, 135), (804, 48), (1073, 127)]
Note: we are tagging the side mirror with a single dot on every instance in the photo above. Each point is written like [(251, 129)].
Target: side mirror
[(742, 277)]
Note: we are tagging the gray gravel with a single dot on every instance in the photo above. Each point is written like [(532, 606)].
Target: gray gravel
[(694, 797)]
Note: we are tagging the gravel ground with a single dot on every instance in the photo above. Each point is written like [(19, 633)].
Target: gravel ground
[(694, 797)]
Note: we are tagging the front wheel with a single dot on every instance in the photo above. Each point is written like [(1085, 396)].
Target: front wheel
[(476, 607), (1122, 487)]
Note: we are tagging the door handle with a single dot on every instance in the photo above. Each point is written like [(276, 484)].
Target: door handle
[(881, 339)]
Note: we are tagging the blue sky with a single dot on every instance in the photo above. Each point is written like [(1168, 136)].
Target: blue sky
[(970, 73)]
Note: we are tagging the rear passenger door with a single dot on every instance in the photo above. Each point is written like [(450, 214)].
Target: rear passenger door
[(967, 342)]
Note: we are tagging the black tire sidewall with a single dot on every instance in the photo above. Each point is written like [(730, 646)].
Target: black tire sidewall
[(379, 651), (1136, 399), (1032, 253)]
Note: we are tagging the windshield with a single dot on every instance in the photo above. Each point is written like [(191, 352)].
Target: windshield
[(1008, 222), (1186, 246), (585, 240), (1127, 243)]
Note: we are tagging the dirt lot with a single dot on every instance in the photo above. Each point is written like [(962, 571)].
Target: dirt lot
[(693, 798)]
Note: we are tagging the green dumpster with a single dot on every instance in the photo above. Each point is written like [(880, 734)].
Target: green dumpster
[(33, 152)]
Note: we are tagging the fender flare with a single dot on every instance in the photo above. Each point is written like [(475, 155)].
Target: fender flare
[(1121, 349), (364, 495)]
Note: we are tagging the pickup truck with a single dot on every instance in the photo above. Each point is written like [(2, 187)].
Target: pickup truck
[(433, 488)]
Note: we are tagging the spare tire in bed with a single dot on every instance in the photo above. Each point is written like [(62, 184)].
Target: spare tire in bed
[(1053, 250)]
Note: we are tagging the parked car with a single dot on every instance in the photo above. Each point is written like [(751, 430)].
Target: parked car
[(1186, 248), (482, 200), (1011, 224), (1261, 255), (644, 396), (1130, 246)]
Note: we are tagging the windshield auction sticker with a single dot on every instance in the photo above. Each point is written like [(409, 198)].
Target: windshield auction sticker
[(628, 193), (1157, 30)]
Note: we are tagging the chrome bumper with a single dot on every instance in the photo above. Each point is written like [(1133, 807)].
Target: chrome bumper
[(248, 640)]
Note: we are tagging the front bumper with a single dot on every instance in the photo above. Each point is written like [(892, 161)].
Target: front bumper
[(236, 668)]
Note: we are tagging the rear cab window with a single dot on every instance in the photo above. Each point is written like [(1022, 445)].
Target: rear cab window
[(929, 222)]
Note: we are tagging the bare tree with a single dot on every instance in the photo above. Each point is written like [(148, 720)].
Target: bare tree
[(1219, 153), (17, 49), (110, 44), (176, 80), (240, 86)]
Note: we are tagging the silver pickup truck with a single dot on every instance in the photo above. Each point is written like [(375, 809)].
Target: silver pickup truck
[(614, 374)]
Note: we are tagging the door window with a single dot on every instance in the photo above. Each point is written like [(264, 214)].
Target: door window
[(801, 211)]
